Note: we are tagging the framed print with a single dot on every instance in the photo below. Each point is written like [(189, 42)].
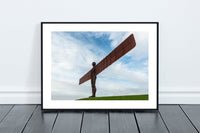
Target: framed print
[(99, 65)]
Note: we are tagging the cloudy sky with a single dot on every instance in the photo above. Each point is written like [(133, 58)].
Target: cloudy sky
[(74, 52)]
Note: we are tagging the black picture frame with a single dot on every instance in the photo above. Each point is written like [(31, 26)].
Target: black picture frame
[(68, 109)]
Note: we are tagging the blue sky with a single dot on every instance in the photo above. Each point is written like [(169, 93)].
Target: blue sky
[(73, 53)]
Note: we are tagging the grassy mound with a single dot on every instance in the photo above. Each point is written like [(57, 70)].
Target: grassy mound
[(127, 97)]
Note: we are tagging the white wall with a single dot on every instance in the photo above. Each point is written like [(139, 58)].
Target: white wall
[(20, 41)]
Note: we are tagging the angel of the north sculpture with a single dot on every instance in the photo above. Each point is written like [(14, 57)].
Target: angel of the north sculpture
[(119, 51)]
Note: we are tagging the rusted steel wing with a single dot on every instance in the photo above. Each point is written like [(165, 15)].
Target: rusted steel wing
[(119, 51)]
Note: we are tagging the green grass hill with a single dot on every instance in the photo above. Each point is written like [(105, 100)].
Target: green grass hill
[(126, 97)]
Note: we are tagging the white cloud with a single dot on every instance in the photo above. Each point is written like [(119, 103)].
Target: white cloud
[(71, 57), (120, 71), (64, 90)]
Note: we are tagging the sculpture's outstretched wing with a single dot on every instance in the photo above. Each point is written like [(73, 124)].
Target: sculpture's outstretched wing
[(119, 51)]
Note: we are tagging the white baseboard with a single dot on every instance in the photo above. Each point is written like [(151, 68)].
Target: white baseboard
[(165, 97), (20, 97), (179, 97)]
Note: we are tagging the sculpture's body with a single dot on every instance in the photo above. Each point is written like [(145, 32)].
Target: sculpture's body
[(93, 80), (119, 51)]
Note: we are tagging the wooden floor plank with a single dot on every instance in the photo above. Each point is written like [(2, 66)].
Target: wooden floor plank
[(150, 122), (4, 109), (29, 119), (40, 122), (175, 119), (193, 112), (68, 122), (122, 122), (95, 122), (16, 119)]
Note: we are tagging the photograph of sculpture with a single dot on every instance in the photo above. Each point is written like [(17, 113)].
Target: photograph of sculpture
[(99, 65)]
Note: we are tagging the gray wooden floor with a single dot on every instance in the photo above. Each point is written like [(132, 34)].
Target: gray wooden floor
[(169, 118)]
